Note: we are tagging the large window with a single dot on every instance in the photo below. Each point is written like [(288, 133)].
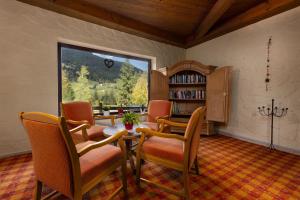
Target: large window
[(104, 78)]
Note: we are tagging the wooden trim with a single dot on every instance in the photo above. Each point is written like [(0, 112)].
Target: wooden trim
[(111, 117), (190, 65), (95, 145), (100, 16), (262, 11), (150, 132), (165, 163), (220, 7), (61, 45)]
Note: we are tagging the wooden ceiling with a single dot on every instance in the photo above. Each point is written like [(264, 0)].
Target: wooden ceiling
[(183, 23)]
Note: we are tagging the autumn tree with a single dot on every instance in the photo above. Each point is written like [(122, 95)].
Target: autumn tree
[(82, 87), (140, 91), (67, 91)]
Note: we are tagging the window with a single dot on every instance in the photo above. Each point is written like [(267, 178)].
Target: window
[(104, 78)]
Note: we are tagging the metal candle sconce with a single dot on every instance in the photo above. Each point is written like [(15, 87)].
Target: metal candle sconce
[(272, 112)]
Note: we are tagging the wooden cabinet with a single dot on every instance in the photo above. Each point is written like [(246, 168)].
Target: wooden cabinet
[(159, 88), (190, 84)]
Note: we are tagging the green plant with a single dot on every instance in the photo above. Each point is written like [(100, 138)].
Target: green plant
[(130, 118)]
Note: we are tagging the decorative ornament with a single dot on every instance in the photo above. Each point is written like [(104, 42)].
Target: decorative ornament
[(268, 79), (108, 63), (272, 112)]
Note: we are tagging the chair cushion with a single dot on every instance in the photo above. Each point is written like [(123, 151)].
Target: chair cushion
[(94, 133), (166, 148), (97, 160)]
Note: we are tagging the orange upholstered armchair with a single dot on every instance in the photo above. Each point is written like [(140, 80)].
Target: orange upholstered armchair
[(159, 109), (80, 112), (171, 150), (66, 168)]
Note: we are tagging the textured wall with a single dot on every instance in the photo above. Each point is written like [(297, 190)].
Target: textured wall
[(28, 78), (245, 50)]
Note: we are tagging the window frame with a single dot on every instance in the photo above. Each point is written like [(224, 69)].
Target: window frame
[(61, 45)]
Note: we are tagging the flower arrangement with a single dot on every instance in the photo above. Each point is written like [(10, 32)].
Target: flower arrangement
[(129, 119)]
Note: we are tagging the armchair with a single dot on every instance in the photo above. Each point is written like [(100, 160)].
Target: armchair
[(66, 168), (171, 150), (158, 109), (80, 112)]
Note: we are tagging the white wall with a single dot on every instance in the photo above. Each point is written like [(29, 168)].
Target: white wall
[(28, 49), (246, 51)]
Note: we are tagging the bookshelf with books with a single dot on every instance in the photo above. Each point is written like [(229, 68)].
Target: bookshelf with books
[(187, 91), (190, 84)]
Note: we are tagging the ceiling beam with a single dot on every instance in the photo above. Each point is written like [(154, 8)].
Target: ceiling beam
[(255, 14), (100, 16), (216, 12)]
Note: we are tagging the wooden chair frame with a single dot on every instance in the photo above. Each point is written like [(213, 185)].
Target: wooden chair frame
[(183, 167), (78, 188)]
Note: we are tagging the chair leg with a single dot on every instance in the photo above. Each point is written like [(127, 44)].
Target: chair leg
[(124, 177), (196, 166), (38, 190), (186, 185), (138, 169)]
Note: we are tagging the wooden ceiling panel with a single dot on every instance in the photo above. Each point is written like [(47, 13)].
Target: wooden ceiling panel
[(178, 16), (183, 23)]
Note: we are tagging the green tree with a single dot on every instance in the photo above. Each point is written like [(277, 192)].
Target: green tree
[(82, 87), (67, 91), (108, 98), (140, 91), (125, 84)]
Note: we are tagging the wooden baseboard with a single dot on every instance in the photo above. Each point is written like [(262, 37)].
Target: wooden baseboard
[(14, 154), (259, 142)]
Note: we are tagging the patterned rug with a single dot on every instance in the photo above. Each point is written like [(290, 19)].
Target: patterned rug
[(230, 169)]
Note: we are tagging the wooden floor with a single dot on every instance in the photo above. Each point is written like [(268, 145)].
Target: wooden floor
[(230, 169)]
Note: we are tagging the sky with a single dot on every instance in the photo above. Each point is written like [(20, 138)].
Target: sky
[(143, 65)]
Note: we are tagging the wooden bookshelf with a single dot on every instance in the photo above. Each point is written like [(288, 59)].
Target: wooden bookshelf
[(187, 100), (190, 84), (186, 84)]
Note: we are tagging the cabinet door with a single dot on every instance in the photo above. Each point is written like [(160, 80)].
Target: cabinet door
[(159, 86), (218, 95)]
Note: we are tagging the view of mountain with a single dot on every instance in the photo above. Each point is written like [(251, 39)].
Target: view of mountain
[(73, 59)]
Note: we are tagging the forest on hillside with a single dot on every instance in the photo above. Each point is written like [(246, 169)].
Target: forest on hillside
[(85, 77)]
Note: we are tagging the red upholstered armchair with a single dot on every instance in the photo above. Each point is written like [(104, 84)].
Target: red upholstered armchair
[(67, 169), (171, 150), (80, 112)]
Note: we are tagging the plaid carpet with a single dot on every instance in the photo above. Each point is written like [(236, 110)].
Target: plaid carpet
[(230, 169)]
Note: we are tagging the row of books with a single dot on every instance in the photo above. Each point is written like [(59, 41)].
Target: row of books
[(187, 94), (188, 78), (176, 108)]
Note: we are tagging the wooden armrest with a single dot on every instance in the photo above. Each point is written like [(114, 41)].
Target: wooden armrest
[(177, 124), (111, 117), (162, 117), (108, 140), (69, 121), (149, 132), (80, 127)]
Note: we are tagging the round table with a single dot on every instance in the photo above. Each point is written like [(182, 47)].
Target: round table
[(132, 135)]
